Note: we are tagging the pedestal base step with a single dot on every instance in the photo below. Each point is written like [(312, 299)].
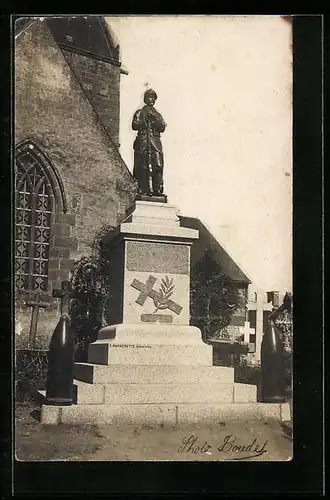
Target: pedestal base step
[(107, 353), (144, 374), (162, 414), (164, 393)]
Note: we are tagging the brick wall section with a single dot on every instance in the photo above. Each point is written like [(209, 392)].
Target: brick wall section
[(52, 110), (101, 83)]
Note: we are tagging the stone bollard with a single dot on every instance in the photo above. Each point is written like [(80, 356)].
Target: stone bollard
[(272, 359), (60, 364), (272, 366)]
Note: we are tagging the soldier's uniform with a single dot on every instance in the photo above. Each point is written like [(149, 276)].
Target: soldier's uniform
[(148, 149)]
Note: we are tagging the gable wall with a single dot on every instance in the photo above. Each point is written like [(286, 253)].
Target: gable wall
[(101, 82)]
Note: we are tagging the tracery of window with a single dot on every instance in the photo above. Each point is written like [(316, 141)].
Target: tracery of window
[(34, 202)]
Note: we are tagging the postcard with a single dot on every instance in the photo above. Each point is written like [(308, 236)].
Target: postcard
[(153, 240)]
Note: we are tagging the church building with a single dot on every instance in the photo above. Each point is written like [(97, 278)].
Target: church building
[(70, 177)]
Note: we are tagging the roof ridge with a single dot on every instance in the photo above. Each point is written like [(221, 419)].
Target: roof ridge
[(227, 252), (111, 37)]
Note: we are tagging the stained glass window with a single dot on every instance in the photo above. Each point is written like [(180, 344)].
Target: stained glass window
[(33, 220)]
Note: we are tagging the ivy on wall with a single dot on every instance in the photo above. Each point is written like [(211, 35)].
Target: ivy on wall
[(90, 286)]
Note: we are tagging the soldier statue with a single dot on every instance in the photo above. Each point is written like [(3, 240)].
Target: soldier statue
[(148, 151)]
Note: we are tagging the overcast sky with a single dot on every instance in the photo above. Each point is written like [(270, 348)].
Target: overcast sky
[(224, 88)]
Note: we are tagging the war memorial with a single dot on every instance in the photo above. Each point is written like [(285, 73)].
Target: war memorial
[(149, 365), (146, 361)]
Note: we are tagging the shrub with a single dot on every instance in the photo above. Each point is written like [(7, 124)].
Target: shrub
[(288, 369), (228, 353), (89, 282), (213, 297), (247, 373), (285, 323)]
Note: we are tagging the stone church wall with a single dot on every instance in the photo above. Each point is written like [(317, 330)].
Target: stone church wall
[(101, 82)]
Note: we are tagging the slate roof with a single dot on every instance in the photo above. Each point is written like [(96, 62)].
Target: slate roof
[(88, 35), (206, 242)]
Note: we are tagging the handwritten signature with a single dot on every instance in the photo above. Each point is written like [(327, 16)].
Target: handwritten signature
[(230, 444)]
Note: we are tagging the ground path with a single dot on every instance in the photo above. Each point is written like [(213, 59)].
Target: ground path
[(189, 443)]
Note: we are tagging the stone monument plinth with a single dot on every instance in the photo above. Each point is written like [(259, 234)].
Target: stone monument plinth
[(149, 303), (150, 264), (149, 365)]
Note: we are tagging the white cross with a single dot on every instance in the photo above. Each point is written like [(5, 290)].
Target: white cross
[(260, 305)]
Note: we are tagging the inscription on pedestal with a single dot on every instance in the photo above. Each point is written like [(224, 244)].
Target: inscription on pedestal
[(130, 345), (157, 257), (156, 318)]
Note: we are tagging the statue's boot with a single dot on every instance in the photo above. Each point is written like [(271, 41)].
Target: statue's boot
[(158, 182)]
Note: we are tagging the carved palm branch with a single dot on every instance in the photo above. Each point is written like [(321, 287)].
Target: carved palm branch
[(164, 294)]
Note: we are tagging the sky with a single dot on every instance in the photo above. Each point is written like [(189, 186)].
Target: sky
[(224, 86)]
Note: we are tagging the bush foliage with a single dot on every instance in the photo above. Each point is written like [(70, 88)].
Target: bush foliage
[(91, 289), (213, 297), (247, 373)]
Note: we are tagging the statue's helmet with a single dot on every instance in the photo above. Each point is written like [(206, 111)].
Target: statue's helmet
[(150, 93)]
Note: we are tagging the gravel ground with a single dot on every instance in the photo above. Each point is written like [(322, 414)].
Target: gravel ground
[(245, 440)]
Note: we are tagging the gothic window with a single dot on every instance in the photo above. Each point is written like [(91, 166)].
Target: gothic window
[(34, 207)]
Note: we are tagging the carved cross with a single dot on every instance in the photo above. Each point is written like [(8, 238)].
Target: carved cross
[(65, 294), (147, 291)]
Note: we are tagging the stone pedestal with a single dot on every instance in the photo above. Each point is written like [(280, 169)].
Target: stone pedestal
[(150, 266), (149, 365), (154, 344)]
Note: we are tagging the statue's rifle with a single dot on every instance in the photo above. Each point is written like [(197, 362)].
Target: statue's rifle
[(149, 155)]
